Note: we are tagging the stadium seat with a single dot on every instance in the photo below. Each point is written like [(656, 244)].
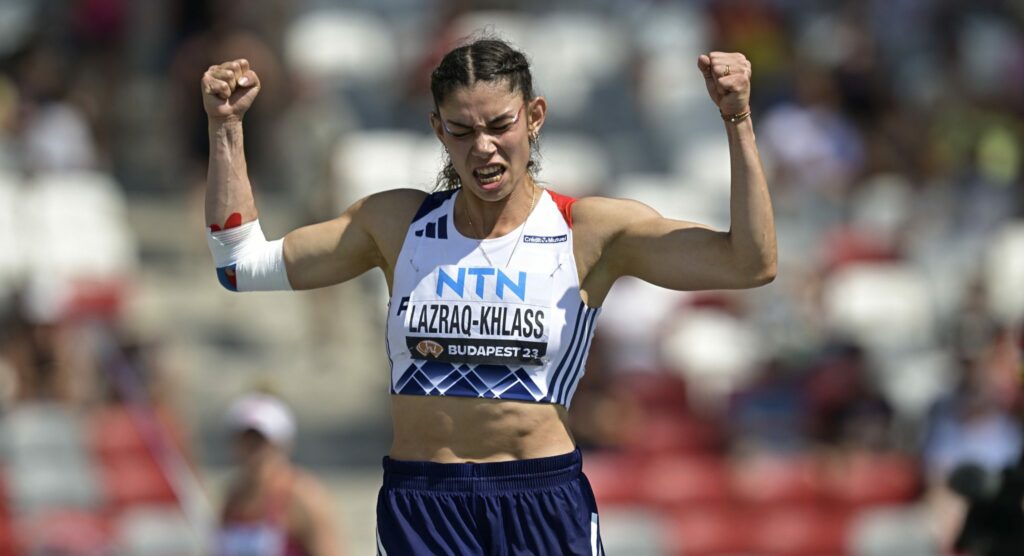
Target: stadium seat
[(582, 50), (800, 531), (89, 205), (883, 305), (157, 530), (71, 532), (888, 530), (680, 482), (9, 542), (112, 434), (368, 162), (673, 432), (12, 255), (710, 531), (48, 465), (574, 164), (692, 343), (344, 46), (1004, 272), (656, 390), (867, 479), (614, 477), (49, 482), (512, 26), (135, 479), (632, 531), (41, 430), (764, 480)]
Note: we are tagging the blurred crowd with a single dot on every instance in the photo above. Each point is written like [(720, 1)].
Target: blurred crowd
[(840, 398)]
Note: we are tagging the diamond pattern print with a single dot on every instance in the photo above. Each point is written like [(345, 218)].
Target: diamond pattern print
[(434, 378)]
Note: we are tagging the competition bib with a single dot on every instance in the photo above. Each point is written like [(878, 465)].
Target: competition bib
[(479, 315)]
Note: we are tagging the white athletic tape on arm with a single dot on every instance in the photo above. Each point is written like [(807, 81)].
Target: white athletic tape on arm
[(258, 263)]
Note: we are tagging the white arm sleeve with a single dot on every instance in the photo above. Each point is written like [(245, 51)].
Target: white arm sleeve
[(246, 261)]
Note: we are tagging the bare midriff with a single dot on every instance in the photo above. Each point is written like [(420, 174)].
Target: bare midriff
[(460, 430)]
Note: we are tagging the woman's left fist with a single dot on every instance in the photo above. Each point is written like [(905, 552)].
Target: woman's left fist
[(727, 77)]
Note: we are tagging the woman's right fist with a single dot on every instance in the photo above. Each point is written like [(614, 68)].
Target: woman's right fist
[(229, 89)]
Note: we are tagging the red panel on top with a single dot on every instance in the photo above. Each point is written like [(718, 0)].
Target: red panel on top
[(564, 205)]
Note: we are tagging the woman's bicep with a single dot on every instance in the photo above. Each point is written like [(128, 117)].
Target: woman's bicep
[(676, 254), (673, 254), (330, 252)]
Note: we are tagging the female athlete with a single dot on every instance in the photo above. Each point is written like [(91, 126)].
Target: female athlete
[(495, 285)]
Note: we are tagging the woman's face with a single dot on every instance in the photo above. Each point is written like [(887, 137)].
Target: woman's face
[(486, 130), (252, 449)]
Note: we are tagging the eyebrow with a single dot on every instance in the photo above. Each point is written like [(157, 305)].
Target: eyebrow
[(490, 123)]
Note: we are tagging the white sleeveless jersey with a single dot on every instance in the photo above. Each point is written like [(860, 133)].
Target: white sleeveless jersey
[(498, 318)]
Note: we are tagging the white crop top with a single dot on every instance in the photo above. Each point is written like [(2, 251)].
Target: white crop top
[(496, 318)]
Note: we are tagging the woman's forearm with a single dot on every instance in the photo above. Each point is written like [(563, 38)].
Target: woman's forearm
[(228, 190), (752, 232)]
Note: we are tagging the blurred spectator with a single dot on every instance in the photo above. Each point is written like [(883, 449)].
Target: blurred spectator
[(769, 413), (54, 132), (47, 351), (272, 507), (977, 423), (846, 409)]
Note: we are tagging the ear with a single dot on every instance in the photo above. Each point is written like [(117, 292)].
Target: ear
[(437, 126), (536, 112)]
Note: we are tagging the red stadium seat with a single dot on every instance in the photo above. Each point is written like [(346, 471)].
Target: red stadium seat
[(801, 531), (614, 477), (710, 531), (653, 390), (113, 433), (136, 479), (8, 541), (673, 432), (866, 479), (680, 482), (65, 532), (766, 479)]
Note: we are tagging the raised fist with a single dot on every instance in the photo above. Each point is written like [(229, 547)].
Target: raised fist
[(229, 89), (727, 77)]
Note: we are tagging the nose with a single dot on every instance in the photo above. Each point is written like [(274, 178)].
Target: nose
[(483, 144)]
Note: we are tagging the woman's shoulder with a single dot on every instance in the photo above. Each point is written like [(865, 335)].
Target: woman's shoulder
[(310, 494), (607, 214), (402, 205), (395, 200)]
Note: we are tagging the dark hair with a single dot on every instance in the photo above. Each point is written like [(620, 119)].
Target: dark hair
[(485, 59)]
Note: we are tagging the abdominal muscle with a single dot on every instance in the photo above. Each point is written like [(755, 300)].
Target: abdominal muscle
[(461, 430)]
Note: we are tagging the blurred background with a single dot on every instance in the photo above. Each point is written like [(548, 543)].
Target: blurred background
[(819, 415)]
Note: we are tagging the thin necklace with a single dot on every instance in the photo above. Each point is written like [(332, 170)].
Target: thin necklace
[(533, 199)]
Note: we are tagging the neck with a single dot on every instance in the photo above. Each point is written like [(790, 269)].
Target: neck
[(485, 219)]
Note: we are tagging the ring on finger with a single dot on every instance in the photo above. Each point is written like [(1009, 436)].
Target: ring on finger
[(727, 70)]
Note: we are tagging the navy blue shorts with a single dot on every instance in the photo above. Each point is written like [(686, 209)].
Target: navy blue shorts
[(528, 507)]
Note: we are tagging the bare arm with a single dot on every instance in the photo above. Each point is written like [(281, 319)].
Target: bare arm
[(635, 240), (228, 190), (320, 534), (314, 256), (229, 89)]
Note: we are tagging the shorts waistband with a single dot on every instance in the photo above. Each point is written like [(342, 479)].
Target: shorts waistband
[(502, 476)]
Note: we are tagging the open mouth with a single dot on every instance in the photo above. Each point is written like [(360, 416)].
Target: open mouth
[(489, 174)]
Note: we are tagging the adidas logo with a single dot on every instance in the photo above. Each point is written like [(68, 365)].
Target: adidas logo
[(435, 230)]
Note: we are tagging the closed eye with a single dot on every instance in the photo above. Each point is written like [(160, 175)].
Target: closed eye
[(493, 130)]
